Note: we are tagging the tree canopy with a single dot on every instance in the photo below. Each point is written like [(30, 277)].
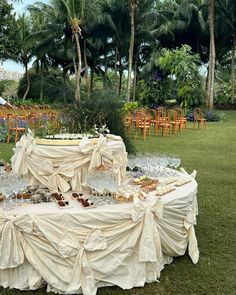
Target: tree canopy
[(9, 38), (121, 38)]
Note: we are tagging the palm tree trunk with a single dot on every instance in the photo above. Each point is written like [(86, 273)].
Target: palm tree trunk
[(91, 80), (86, 69), (41, 82), (105, 74), (119, 79), (135, 78), (116, 61), (120, 82), (211, 20), (133, 6), (65, 86), (27, 81), (233, 71), (78, 75), (207, 78)]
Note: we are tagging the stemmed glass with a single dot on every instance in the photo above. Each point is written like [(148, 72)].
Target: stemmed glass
[(171, 164), (176, 162), (163, 164)]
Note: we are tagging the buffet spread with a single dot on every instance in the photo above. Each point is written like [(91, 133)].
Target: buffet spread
[(80, 212)]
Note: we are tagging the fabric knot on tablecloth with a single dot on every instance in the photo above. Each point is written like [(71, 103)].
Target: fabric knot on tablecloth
[(100, 152), (189, 222), (22, 151), (11, 229), (69, 246), (56, 176), (139, 210), (150, 243)]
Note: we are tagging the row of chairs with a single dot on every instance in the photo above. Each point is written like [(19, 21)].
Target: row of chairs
[(17, 120), (160, 120)]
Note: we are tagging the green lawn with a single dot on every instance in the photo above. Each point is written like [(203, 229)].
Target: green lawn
[(212, 153)]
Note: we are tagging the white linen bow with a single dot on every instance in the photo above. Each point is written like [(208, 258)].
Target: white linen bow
[(189, 222), (56, 177), (82, 275), (100, 152), (11, 229), (23, 149), (150, 243)]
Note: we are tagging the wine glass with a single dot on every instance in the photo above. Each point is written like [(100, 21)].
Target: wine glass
[(163, 163), (171, 164), (176, 162)]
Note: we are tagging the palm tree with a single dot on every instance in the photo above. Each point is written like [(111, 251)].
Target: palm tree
[(226, 13), (116, 20), (25, 54), (212, 54), (78, 13), (51, 39)]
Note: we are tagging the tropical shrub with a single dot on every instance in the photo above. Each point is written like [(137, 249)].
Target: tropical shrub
[(130, 106), (100, 109), (154, 93), (3, 130), (54, 88), (210, 116), (214, 116), (183, 65)]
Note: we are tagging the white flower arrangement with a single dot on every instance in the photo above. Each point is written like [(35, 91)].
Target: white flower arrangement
[(101, 130)]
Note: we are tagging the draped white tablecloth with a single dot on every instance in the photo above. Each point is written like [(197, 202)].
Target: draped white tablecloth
[(67, 167), (76, 250)]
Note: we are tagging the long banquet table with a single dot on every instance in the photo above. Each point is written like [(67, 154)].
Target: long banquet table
[(77, 250)]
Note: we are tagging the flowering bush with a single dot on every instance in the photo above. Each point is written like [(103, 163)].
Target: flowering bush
[(3, 130), (214, 116), (210, 116)]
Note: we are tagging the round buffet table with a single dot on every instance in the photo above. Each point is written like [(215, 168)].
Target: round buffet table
[(77, 250), (65, 164)]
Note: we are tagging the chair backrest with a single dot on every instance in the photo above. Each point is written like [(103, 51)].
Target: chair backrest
[(172, 115), (198, 114), (161, 115), (180, 112), (161, 109)]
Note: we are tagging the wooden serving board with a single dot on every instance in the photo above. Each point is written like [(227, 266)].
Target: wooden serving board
[(165, 192), (182, 183)]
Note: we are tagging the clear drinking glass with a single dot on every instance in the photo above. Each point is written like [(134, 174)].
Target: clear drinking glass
[(176, 162)]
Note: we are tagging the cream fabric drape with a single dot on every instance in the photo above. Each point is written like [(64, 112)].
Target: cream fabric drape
[(76, 250), (65, 167)]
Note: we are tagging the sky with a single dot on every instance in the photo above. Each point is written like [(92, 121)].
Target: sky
[(19, 7)]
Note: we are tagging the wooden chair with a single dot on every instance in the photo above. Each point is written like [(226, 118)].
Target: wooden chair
[(173, 120), (143, 123), (163, 121), (154, 120), (198, 118), (181, 118), (128, 122), (13, 126)]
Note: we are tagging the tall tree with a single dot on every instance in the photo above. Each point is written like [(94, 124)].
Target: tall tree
[(212, 54), (78, 13), (133, 10), (24, 27), (226, 13), (9, 38)]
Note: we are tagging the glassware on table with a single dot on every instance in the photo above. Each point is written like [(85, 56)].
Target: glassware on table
[(163, 164), (171, 164), (176, 162)]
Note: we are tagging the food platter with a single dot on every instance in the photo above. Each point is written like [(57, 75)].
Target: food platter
[(65, 139)]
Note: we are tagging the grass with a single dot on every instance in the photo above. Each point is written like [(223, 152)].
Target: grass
[(212, 153)]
